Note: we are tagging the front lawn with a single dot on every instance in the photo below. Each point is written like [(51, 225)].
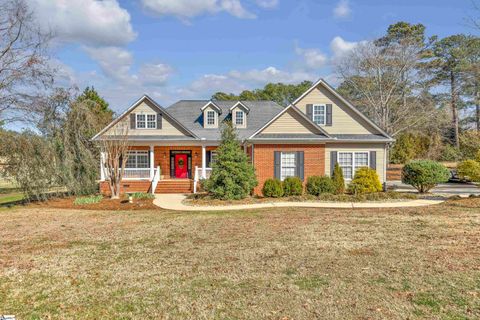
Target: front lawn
[(281, 263)]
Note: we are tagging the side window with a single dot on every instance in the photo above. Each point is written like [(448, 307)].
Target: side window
[(287, 165)]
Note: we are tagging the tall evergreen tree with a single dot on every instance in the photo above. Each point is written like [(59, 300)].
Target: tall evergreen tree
[(233, 177), (97, 105)]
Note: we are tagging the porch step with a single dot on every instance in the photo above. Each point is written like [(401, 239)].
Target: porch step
[(174, 186)]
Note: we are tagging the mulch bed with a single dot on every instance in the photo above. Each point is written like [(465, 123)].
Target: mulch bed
[(105, 204)]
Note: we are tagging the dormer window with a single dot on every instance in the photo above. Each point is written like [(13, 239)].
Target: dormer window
[(211, 113), (239, 118), (210, 117), (239, 113)]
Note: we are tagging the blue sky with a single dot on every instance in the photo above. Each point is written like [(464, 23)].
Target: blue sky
[(179, 49)]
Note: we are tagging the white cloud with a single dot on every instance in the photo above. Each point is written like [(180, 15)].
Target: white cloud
[(155, 74), (340, 47), (267, 3), (116, 63), (342, 10), (185, 9), (313, 58), (90, 22)]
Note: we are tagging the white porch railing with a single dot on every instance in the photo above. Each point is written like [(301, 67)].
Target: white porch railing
[(197, 176), (156, 178), (135, 173)]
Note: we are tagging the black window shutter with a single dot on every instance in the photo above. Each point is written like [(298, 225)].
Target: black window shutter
[(276, 164), (310, 111), (333, 161), (300, 165), (373, 160), (209, 158), (132, 121), (159, 120), (329, 115)]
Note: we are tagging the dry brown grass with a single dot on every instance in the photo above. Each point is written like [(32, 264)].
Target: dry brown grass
[(265, 264)]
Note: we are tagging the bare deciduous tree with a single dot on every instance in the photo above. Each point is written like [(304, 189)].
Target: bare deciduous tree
[(114, 146), (385, 83), (24, 64)]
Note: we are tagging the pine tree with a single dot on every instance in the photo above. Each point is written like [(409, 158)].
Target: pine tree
[(338, 180), (233, 177)]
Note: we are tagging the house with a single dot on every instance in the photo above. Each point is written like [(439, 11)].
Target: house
[(173, 148)]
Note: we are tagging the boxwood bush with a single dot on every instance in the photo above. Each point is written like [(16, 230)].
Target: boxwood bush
[(365, 181), (423, 175), (272, 188), (292, 186), (317, 185), (469, 170)]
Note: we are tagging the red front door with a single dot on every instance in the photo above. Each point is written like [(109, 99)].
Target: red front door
[(181, 166)]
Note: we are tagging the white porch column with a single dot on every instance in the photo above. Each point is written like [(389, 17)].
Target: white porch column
[(102, 169), (204, 160), (152, 160)]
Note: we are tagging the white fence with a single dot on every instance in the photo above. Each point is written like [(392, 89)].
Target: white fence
[(134, 173), (199, 176)]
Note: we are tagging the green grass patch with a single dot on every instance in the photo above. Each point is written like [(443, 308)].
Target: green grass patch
[(427, 299), (142, 195), (13, 197), (311, 283), (88, 200)]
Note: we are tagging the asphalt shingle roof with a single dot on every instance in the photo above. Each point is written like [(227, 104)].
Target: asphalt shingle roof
[(189, 114)]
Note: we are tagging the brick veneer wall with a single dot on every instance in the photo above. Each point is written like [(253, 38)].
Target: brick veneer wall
[(314, 160)]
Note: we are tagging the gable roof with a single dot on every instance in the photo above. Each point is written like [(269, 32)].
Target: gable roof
[(211, 103), (187, 112), (345, 101), (300, 113), (155, 106), (247, 109)]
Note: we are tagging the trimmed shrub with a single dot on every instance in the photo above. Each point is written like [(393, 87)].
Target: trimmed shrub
[(469, 170), (423, 175), (477, 156), (317, 185), (338, 180), (272, 188), (469, 143), (292, 186), (365, 181)]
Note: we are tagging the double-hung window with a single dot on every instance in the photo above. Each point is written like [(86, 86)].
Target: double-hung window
[(211, 118), (287, 165), (351, 161), (141, 121), (239, 118), (213, 157), (151, 121), (319, 114), (137, 160)]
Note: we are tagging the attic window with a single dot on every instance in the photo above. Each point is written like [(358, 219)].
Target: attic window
[(141, 124), (239, 118), (211, 118), (319, 114)]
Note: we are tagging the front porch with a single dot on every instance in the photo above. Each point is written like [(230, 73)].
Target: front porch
[(164, 169)]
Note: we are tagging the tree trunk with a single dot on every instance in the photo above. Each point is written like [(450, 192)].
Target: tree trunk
[(477, 110), (453, 92)]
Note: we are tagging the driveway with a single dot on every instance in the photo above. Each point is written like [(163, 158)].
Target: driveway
[(444, 189)]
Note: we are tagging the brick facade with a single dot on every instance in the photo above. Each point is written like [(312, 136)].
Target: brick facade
[(263, 157)]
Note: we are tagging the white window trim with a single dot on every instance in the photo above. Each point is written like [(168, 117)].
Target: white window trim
[(354, 168), (243, 118), (154, 120), (146, 120), (281, 165), (324, 114), (211, 125), (213, 154)]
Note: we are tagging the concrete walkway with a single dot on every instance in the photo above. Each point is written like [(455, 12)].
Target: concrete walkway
[(175, 202)]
